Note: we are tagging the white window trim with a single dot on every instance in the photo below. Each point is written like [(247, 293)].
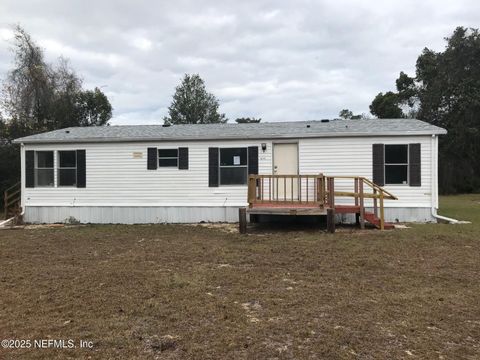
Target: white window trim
[(35, 168), (407, 183), (230, 166), (167, 158), (66, 168)]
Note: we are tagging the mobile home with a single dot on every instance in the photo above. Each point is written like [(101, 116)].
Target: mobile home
[(194, 173)]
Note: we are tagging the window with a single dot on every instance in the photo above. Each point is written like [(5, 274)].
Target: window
[(396, 164), (67, 168), (167, 157), (233, 166), (43, 168)]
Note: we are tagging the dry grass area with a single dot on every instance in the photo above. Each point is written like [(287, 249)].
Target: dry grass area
[(175, 292)]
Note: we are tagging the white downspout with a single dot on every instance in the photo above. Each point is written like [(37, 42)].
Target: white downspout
[(434, 184), (22, 178)]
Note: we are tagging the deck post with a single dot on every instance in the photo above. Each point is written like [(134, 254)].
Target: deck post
[(242, 220), (362, 205), (382, 212), (331, 192), (357, 214), (251, 190), (331, 220), (321, 190), (355, 182)]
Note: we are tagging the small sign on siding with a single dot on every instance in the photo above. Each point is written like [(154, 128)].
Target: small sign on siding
[(137, 154)]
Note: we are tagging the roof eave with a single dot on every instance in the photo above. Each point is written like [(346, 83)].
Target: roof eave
[(25, 140)]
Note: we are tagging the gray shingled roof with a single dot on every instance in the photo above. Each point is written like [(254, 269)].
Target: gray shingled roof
[(272, 130)]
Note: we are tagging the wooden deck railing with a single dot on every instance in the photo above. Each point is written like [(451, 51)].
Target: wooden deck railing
[(366, 189), (11, 200), (317, 190), (286, 189)]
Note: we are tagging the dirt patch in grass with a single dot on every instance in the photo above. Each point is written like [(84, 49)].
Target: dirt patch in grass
[(174, 292)]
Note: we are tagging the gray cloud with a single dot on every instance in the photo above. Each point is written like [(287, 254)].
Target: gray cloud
[(279, 60)]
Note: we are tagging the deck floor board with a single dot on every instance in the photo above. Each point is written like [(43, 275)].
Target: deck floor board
[(295, 208)]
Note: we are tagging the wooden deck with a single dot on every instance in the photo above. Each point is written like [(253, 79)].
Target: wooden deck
[(315, 195), (271, 208)]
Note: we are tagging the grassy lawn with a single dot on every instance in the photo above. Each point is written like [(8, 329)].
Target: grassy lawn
[(173, 292)]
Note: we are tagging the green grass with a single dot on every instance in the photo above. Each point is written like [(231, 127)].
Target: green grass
[(195, 292), (462, 207)]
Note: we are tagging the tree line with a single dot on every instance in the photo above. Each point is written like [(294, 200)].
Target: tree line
[(445, 91)]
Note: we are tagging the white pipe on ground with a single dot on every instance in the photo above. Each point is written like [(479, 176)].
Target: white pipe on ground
[(5, 222), (447, 219)]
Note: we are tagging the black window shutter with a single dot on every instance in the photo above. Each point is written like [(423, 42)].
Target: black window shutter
[(414, 164), (378, 152), (81, 169), (29, 169), (213, 167), (183, 158), (152, 159), (253, 160)]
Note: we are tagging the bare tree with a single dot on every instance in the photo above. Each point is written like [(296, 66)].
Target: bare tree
[(37, 96)]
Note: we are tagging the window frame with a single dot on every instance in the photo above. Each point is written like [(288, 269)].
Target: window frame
[(59, 168), (36, 168), (167, 158), (385, 165), (220, 166)]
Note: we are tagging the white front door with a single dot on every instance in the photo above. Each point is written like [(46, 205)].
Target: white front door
[(285, 162)]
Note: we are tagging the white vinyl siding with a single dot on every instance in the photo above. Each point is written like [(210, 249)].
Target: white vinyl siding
[(353, 156), (117, 176)]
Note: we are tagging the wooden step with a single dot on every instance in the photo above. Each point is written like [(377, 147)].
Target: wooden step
[(347, 209), (369, 216), (372, 219)]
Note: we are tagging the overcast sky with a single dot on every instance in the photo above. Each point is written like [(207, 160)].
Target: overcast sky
[(278, 60)]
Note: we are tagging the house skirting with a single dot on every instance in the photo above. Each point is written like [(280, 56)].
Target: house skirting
[(129, 215), (393, 215), (179, 214)]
